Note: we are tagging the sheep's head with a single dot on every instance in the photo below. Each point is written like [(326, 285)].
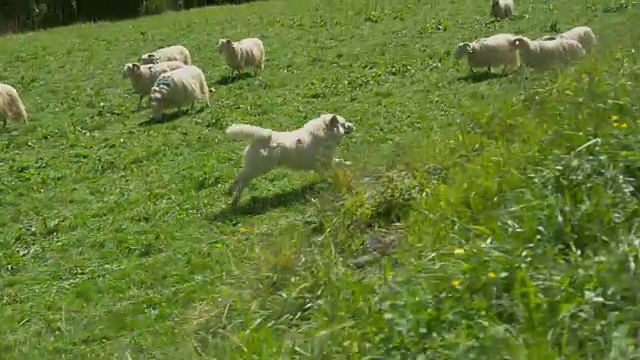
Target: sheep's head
[(149, 58), (131, 69), (127, 71), (462, 50), (225, 45)]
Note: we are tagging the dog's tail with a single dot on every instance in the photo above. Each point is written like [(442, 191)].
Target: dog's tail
[(248, 132)]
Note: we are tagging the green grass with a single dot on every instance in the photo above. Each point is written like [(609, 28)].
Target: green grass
[(116, 240)]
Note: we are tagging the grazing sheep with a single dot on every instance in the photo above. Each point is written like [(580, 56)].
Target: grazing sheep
[(170, 53), (582, 34), (242, 54), (11, 107), (542, 54), (144, 76), (178, 88), (489, 52), (501, 9)]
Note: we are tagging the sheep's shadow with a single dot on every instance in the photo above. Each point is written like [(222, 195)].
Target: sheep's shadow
[(167, 118), (259, 204), (477, 77), (230, 79)]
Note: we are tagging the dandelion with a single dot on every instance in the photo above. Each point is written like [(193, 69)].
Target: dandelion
[(458, 251), (491, 274), (623, 125), (219, 245), (615, 117), (455, 283)]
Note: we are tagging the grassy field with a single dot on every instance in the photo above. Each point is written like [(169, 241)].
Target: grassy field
[(483, 218)]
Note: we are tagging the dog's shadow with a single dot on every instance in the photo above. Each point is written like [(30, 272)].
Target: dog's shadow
[(259, 204), (477, 77), (167, 118), (230, 79)]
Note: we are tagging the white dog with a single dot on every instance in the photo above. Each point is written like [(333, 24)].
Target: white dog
[(311, 147)]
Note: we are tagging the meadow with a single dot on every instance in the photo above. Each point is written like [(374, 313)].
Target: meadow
[(484, 217)]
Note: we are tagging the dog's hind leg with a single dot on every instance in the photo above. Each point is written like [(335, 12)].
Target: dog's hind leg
[(240, 183)]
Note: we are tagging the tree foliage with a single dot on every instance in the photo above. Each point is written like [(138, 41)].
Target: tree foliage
[(25, 15)]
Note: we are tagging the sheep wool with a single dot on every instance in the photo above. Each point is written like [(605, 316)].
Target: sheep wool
[(177, 88), (243, 54), (11, 106), (170, 53), (542, 54), (582, 34), (501, 9), (489, 52), (144, 76)]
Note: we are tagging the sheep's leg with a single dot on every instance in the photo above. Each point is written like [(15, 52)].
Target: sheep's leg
[(488, 69), (4, 122), (140, 102)]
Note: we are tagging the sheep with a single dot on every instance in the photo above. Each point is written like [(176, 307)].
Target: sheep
[(144, 76), (170, 53), (501, 9), (490, 52), (582, 34), (541, 54), (11, 107), (242, 54), (177, 88)]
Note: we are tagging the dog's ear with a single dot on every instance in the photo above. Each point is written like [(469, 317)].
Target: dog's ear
[(334, 121)]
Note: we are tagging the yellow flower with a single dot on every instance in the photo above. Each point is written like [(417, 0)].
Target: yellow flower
[(623, 125), (455, 283), (458, 251), (615, 117), (615, 124), (219, 245), (491, 274)]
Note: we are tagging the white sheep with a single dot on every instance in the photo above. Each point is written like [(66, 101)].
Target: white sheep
[(178, 88), (501, 9), (542, 54), (170, 53), (144, 76), (11, 107), (489, 52), (582, 34), (242, 54)]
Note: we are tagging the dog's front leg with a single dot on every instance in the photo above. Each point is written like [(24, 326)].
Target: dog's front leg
[(341, 162)]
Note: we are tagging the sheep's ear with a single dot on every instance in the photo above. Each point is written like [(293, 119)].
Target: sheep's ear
[(228, 41), (135, 66), (469, 48)]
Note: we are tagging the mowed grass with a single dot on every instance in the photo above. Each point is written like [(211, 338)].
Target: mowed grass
[(509, 204)]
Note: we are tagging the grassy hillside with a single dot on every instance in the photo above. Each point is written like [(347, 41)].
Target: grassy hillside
[(509, 204)]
